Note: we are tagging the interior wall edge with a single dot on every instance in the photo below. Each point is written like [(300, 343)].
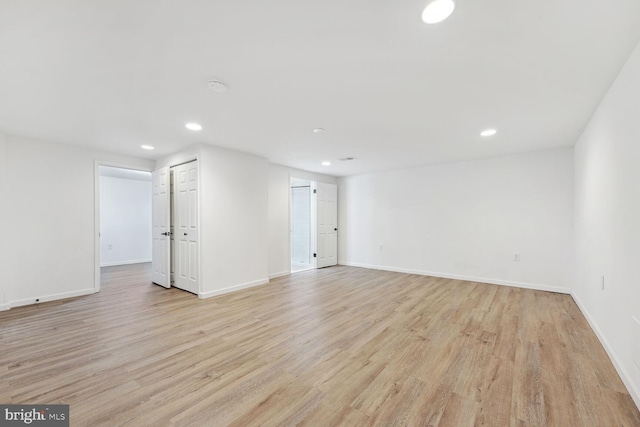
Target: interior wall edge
[(613, 356), (4, 304), (280, 274), (500, 282)]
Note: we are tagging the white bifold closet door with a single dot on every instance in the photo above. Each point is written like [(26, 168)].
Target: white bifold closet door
[(326, 225), (185, 226), (161, 250)]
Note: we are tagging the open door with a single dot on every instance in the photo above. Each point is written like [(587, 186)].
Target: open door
[(185, 227), (327, 225), (161, 220)]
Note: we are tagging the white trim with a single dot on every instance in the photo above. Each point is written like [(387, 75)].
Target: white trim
[(624, 375), (199, 194), (289, 225), (281, 274), (53, 297), (5, 307), (534, 286), (203, 295), (96, 225), (133, 261), (313, 207)]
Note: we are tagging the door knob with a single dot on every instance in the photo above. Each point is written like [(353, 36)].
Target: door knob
[(335, 229), (185, 234)]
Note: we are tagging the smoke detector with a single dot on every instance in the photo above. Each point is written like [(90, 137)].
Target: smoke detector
[(218, 86)]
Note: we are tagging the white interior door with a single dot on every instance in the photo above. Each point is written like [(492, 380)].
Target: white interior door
[(186, 227), (161, 220), (327, 225)]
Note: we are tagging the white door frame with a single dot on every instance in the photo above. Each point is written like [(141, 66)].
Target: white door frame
[(314, 224), (96, 211), (313, 212)]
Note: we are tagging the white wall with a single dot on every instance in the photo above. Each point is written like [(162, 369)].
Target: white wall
[(279, 190), (233, 217), (465, 220), (50, 194), (125, 221), (607, 221), (4, 303)]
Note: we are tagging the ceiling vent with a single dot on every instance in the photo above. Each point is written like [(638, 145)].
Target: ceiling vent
[(218, 86)]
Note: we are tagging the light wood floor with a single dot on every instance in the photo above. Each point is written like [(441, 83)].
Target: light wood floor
[(339, 346)]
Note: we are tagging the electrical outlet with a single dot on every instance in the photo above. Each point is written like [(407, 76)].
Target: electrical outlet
[(381, 247), (109, 246), (516, 257), (602, 282)]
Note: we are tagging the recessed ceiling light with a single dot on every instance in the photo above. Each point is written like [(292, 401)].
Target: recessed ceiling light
[(437, 11), (218, 86), (326, 163), (318, 130), (488, 132), (193, 126), (147, 147)]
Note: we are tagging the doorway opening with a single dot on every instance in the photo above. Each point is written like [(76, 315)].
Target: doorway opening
[(123, 217), (302, 225)]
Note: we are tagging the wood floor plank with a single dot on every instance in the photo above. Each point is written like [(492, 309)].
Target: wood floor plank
[(336, 346), (528, 399)]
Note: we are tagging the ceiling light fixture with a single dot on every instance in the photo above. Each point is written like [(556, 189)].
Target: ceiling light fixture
[(193, 126), (437, 11), (147, 147), (488, 132), (318, 130), (326, 163), (218, 86)]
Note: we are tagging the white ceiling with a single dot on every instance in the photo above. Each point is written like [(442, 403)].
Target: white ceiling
[(389, 89)]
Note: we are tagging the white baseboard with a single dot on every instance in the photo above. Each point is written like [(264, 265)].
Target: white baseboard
[(281, 274), (534, 286), (203, 295), (114, 263), (53, 297), (624, 375), (5, 307)]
